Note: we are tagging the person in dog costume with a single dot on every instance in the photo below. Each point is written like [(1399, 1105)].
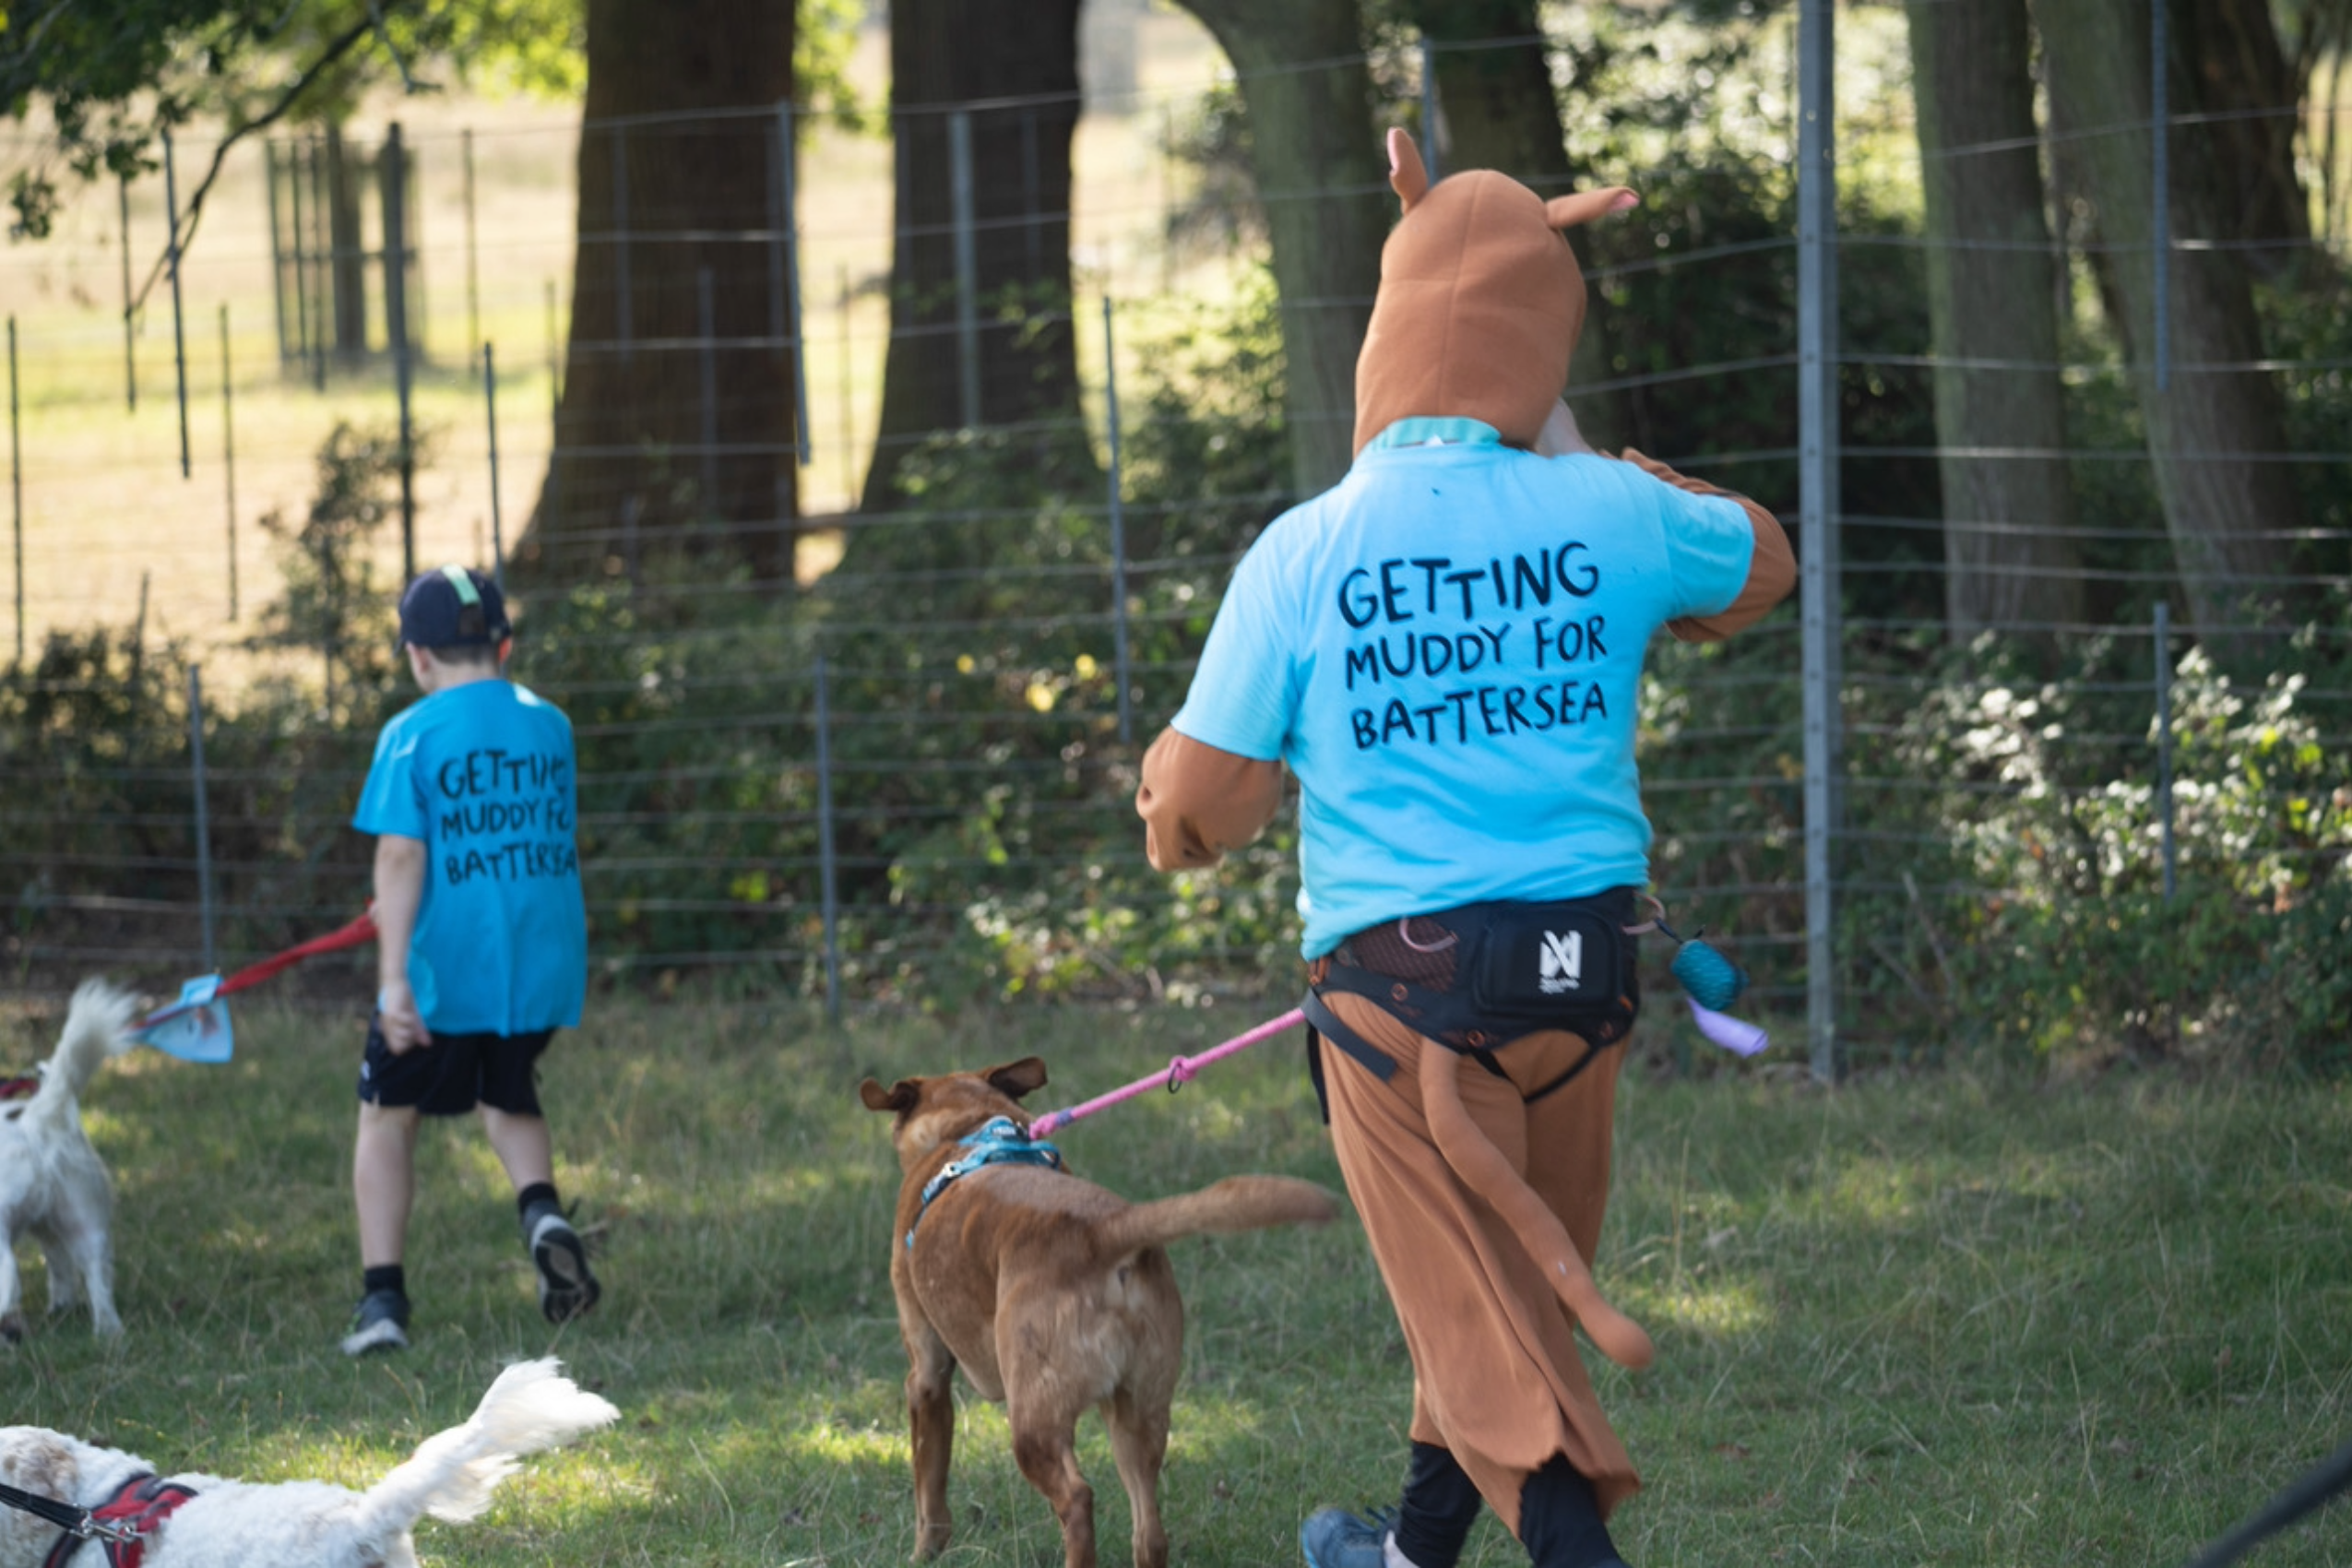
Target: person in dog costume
[(1446, 649)]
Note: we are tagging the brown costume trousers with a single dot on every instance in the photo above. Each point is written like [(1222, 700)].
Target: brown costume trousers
[(1497, 1378)]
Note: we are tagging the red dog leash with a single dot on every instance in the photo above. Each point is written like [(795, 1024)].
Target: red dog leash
[(1180, 1070), (358, 933)]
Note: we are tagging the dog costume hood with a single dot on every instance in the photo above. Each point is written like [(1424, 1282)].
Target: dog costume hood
[(1481, 301)]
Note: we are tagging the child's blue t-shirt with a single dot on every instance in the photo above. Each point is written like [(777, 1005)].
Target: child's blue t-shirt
[(483, 775), (1446, 649)]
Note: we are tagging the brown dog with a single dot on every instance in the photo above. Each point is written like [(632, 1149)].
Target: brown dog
[(1054, 1294)]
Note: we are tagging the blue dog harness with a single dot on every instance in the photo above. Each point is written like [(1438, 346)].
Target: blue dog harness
[(997, 1141)]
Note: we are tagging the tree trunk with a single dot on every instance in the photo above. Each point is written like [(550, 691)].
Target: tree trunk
[(678, 404), (2246, 83), (1322, 178), (1494, 96), (2213, 432), (1497, 108), (1010, 69), (2007, 557)]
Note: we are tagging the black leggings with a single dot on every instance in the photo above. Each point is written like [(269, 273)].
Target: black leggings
[(1559, 1516)]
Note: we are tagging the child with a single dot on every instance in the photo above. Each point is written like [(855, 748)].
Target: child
[(1447, 647), (482, 939)]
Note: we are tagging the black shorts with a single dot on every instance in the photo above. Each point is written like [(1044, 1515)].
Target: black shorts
[(455, 1073)]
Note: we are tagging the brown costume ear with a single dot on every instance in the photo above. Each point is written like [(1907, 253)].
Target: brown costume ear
[(899, 1095), (1016, 1078), (1567, 211), (1407, 176)]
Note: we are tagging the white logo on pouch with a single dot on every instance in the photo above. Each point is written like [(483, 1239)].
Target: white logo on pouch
[(1563, 962)]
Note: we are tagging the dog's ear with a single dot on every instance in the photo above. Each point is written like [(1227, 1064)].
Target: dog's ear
[(1016, 1078), (899, 1095)]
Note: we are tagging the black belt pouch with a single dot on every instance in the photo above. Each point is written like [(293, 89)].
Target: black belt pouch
[(1540, 964)]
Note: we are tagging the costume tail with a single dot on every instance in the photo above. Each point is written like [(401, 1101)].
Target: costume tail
[(1483, 1169), (97, 1026), (532, 1405), (1238, 1203)]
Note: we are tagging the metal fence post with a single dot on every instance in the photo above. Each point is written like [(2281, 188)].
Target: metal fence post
[(803, 438), (228, 456), (959, 159), (130, 354), (1032, 181), (1817, 485), (300, 266), (1428, 112), (321, 265), (138, 639), (203, 812), (828, 878), (778, 201), (394, 171), (489, 416), (706, 327), (2160, 240), (622, 319), (1167, 172), (554, 353), (553, 496), (473, 255), (179, 331), (1118, 529), (277, 241), (16, 492), (2163, 743), (847, 388)]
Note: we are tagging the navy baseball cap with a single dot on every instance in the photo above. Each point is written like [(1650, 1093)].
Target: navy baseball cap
[(454, 607)]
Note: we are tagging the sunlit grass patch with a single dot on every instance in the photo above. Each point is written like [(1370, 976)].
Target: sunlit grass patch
[(1726, 1309)]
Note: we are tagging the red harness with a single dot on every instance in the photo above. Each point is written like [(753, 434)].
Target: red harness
[(139, 1509), (20, 1089)]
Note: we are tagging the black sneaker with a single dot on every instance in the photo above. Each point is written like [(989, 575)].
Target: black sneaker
[(380, 1322), (567, 1287)]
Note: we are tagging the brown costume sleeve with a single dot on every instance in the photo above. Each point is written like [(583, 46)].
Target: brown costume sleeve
[(1771, 574), (1198, 801)]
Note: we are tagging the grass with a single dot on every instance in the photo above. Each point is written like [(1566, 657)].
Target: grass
[(1937, 1320)]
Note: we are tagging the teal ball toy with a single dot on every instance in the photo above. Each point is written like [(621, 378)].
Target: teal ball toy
[(1712, 980)]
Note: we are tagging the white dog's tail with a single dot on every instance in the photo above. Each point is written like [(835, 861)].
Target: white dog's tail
[(97, 1026), (532, 1405)]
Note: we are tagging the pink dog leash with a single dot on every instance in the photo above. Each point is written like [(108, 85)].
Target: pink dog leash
[(1180, 1070)]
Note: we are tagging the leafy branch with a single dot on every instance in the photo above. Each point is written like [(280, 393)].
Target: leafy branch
[(336, 49)]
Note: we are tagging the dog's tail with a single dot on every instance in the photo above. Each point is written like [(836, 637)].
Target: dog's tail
[(97, 1026), (532, 1405), (1238, 1203)]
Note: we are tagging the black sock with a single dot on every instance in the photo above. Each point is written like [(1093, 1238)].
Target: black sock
[(1560, 1520), (1440, 1506), (384, 1276), (539, 1195)]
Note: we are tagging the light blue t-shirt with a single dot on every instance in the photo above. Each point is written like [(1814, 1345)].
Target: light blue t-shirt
[(1446, 649), (483, 775)]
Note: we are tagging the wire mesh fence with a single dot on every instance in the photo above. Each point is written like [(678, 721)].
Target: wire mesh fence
[(904, 769)]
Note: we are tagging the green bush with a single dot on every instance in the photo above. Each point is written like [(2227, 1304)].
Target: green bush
[(1999, 881)]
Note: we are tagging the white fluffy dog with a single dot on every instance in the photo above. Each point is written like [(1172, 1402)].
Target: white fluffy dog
[(53, 1186), (301, 1524)]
